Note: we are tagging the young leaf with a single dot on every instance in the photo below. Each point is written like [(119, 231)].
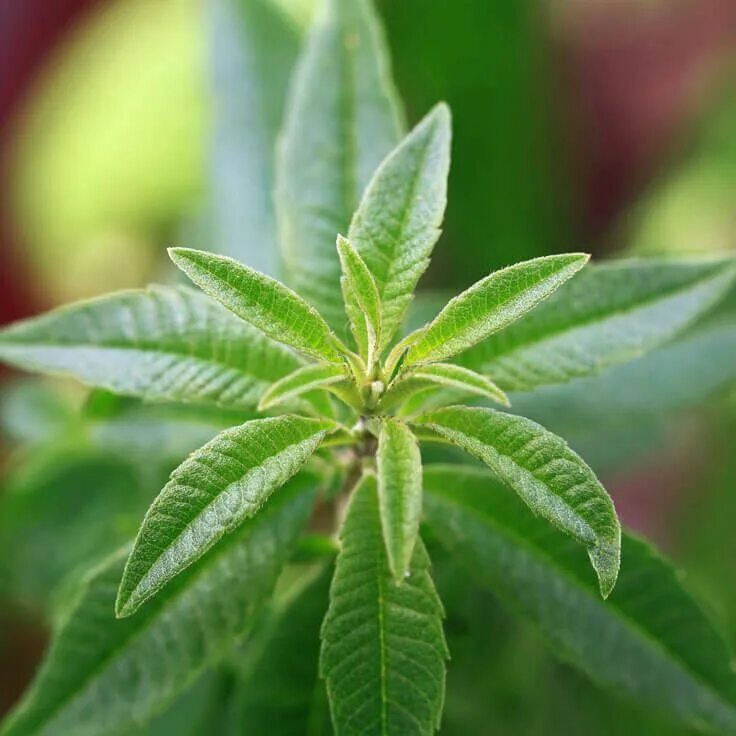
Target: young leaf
[(383, 649), (398, 221), (649, 640), (108, 676), (342, 118), (210, 494), (491, 304), (261, 301), (609, 314), (362, 303), (399, 473), (302, 380), (551, 479), (160, 344)]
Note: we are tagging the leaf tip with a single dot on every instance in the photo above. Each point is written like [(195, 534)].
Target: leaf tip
[(606, 560)]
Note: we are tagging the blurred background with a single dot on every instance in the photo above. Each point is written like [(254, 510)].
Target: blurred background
[(587, 125)]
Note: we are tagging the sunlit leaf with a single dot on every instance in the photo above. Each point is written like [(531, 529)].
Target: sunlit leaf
[(307, 378)]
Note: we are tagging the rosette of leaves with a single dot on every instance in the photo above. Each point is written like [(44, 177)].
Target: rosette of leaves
[(346, 402)]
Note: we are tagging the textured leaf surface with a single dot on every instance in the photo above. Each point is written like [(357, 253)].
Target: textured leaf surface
[(307, 378), (261, 301), (158, 344), (342, 119), (399, 473), (491, 304), (399, 218), (609, 314), (551, 479), (649, 640), (210, 494), (383, 650), (105, 676)]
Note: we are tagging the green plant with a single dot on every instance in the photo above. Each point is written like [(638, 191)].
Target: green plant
[(222, 570)]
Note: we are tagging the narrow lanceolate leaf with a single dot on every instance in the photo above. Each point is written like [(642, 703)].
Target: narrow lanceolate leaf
[(399, 473), (491, 304), (343, 106), (160, 344), (362, 303), (553, 481), (261, 301), (210, 494), (609, 314), (307, 378), (399, 218), (108, 676), (383, 650), (649, 640)]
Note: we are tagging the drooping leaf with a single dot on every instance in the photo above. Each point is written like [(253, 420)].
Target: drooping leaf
[(104, 675), (383, 650), (302, 380), (261, 301), (649, 640), (399, 218), (491, 304), (158, 344), (342, 118), (210, 494), (551, 479), (362, 303), (399, 474), (609, 314)]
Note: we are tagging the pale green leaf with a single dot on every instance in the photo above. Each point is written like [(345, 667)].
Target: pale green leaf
[(383, 649), (399, 473), (210, 494), (609, 314), (362, 303), (307, 378), (650, 640), (399, 218), (162, 344), (107, 676), (491, 304), (261, 301), (551, 479), (342, 119)]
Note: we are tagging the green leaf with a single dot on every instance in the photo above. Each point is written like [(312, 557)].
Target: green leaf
[(491, 304), (362, 303), (399, 473), (551, 479), (261, 301), (383, 650), (161, 344), (307, 378), (649, 640), (398, 221), (107, 676), (342, 119), (609, 314), (210, 494)]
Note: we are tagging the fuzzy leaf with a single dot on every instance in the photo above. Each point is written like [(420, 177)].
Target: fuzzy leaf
[(399, 473), (107, 676), (362, 303), (209, 495), (161, 344), (398, 221), (551, 479), (261, 301), (649, 640), (491, 304), (307, 378), (609, 314), (383, 649), (342, 118)]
